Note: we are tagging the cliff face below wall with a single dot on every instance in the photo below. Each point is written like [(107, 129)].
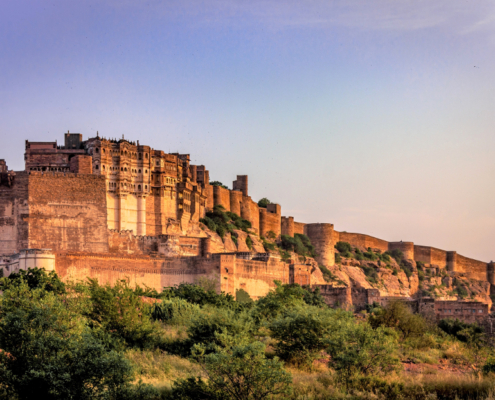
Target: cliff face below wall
[(407, 279)]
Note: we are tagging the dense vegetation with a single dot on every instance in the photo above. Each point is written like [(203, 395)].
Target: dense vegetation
[(221, 221), (87, 341)]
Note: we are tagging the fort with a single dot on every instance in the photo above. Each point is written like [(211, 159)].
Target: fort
[(115, 209)]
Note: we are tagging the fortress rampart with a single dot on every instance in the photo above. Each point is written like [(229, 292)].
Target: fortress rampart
[(114, 208)]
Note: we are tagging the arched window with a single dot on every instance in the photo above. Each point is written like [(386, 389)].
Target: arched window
[(139, 171), (146, 155), (139, 187), (122, 169), (145, 171), (97, 150), (146, 187), (103, 167), (125, 153), (96, 166), (140, 156), (125, 169)]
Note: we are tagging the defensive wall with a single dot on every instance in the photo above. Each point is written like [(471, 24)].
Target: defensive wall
[(349, 298), (357, 299), (61, 211), (324, 238), (231, 272)]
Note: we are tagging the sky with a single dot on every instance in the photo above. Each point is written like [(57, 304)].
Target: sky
[(376, 116)]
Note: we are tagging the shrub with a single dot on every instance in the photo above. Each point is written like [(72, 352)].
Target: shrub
[(343, 247), (242, 296), (196, 294), (175, 311), (216, 329), (300, 244), (489, 366), (303, 332), (217, 183), (371, 274), (463, 331), (286, 296), (243, 372), (49, 352), (122, 314), (221, 222), (249, 242), (338, 258), (264, 202), (398, 315), (359, 350), (397, 254), (35, 278)]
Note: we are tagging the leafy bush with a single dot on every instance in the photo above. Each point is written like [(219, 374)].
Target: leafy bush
[(399, 316), (175, 311), (242, 296), (269, 246), (264, 202), (303, 332), (396, 254), (286, 296), (460, 289), (217, 183), (371, 274), (221, 222), (122, 314), (242, 372), (300, 244), (196, 294), (343, 247), (49, 352), (35, 278), (338, 258), (220, 328), (249, 242), (463, 331), (358, 350)]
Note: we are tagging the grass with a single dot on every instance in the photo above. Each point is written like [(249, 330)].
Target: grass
[(161, 369)]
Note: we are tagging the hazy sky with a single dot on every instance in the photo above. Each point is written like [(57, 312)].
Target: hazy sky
[(377, 116)]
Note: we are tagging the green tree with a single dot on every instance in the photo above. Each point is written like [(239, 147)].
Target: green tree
[(120, 312), (35, 278), (264, 202), (241, 373), (399, 316), (216, 328), (359, 350), (49, 351), (285, 296), (303, 332)]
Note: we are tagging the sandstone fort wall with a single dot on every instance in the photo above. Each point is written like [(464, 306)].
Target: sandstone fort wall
[(67, 212), (14, 211), (321, 236)]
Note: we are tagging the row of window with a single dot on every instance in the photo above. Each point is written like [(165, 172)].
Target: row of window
[(122, 169), (128, 186), (458, 310), (124, 153)]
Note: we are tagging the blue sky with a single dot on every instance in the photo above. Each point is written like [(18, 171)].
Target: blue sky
[(377, 116)]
